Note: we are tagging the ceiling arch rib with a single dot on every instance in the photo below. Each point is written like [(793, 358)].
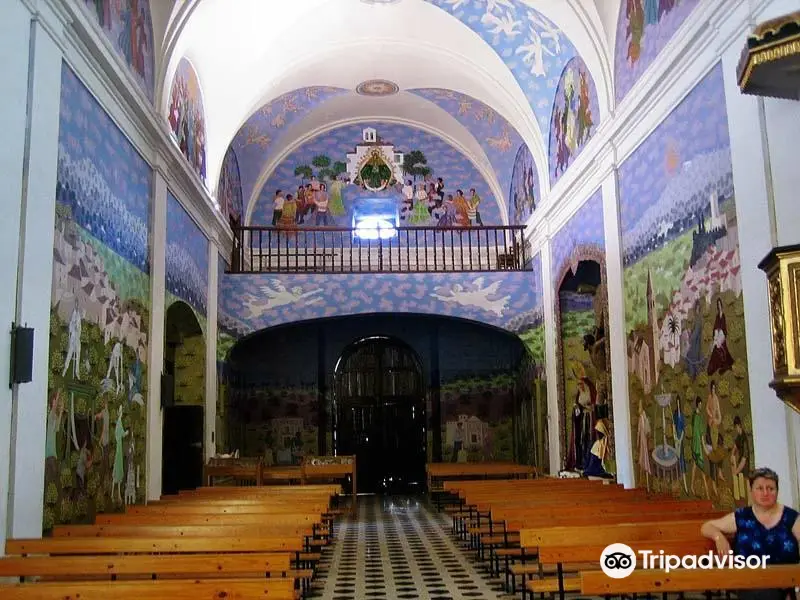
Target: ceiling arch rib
[(405, 109)]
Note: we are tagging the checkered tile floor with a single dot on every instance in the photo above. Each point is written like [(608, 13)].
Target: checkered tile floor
[(397, 548)]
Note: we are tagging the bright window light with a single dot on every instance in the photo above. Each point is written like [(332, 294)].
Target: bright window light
[(373, 228)]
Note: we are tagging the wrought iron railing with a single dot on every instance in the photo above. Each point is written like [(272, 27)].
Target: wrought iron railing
[(258, 249)]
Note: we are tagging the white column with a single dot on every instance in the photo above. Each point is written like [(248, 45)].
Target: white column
[(551, 360), (616, 332), (211, 351), (34, 272), (155, 351), (752, 180), (14, 46)]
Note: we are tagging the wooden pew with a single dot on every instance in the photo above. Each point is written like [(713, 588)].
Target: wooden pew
[(127, 545), (572, 559), (149, 565), (439, 472), (596, 583), (273, 589)]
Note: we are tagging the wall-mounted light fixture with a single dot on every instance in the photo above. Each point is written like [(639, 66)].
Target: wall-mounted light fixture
[(21, 354)]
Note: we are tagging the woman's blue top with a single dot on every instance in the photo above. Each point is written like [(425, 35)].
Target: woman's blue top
[(753, 539)]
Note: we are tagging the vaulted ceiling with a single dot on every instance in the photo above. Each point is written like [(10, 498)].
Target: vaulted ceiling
[(504, 56)]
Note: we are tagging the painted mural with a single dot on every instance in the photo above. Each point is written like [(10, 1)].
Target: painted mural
[(187, 118), (530, 414), (259, 301), (575, 112), (186, 258), (531, 46), (277, 423), (262, 132), (524, 194), (579, 280), (129, 28), (644, 28), (477, 418), (229, 190), (96, 420), (352, 169), (496, 136), (690, 407)]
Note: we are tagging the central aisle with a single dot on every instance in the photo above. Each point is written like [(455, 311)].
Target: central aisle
[(397, 548)]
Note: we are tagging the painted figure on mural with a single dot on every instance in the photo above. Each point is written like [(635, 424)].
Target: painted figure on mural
[(720, 360), (572, 116), (74, 343), (679, 433), (103, 9), (118, 472), (54, 419), (740, 461), (693, 350), (104, 417), (582, 424), (634, 12), (698, 448), (643, 444), (651, 12), (139, 41)]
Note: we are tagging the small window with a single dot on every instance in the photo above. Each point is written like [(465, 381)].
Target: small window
[(474, 439)]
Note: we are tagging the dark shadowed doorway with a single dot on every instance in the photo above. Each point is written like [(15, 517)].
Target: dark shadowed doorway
[(183, 400), (379, 414)]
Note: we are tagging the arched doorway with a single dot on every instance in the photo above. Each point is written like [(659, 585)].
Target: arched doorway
[(379, 414), (585, 384), (183, 400)]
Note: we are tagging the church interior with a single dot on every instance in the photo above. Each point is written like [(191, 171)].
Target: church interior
[(370, 294)]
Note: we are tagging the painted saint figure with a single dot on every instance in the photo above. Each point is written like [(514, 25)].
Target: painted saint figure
[(679, 433), (115, 365), (635, 17), (740, 461), (720, 360), (54, 417), (118, 472), (698, 450), (643, 444)]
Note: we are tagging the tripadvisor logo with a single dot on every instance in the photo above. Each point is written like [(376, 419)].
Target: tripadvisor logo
[(619, 560)]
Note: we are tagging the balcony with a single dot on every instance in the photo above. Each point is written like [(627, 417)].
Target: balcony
[(258, 249)]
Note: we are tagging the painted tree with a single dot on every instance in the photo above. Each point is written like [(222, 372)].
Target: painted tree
[(304, 172), (322, 163), (339, 168), (415, 164)]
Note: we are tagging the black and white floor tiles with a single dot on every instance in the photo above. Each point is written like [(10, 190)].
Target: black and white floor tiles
[(398, 548)]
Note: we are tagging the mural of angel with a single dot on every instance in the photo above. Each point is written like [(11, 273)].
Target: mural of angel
[(278, 295), (533, 52), (477, 297), (505, 24)]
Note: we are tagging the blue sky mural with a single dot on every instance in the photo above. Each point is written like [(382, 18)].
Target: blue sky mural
[(575, 115), (456, 170), (585, 228), (187, 257), (644, 27), (531, 46), (255, 302), (666, 182), (498, 139), (128, 26), (101, 177), (255, 140)]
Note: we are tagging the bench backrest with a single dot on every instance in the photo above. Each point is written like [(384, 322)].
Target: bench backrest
[(608, 534), (118, 545)]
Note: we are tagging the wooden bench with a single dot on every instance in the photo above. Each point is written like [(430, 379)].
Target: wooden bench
[(575, 559), (273, 589), (596, 583)]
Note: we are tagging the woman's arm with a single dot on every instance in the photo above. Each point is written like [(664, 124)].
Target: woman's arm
[(718, 529), (796, 529)]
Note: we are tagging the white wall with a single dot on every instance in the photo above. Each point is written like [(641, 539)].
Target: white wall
[(14, 41)]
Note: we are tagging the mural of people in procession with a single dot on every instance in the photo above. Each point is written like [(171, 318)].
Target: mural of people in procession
[(575, 113), (643, 29), (524, 195), (128, 25), (376, 168), (96, 420), (579, 278), (684, 313), (187, 118), (229, 190)]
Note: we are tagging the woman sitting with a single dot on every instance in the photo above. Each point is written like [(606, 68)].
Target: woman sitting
[(766, 528)]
